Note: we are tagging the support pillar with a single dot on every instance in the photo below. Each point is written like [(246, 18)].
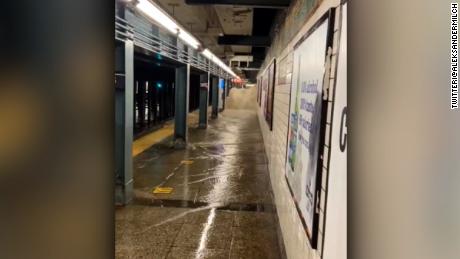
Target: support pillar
[(124, 99), (182, 88), (228, 87), (204, 91), (224, 93), (215, 97), (221, 94)]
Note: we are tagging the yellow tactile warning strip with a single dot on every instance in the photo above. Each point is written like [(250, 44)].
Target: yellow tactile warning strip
[(162, 190), (150, 139), (141, 144), (186, 162)]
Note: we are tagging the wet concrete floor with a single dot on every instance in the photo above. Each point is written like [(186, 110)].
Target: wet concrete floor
[(220, 203)]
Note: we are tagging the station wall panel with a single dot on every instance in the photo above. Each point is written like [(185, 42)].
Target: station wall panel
[(295, 240)]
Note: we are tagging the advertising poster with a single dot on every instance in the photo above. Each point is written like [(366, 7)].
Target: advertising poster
[(263, 96), (258, 91), (335, 237), (259, 81), (270, 74), (305, 122), (221, 93)]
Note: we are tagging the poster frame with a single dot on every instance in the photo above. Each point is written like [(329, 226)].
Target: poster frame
[(259, 91), (270, 92), (313, 236)]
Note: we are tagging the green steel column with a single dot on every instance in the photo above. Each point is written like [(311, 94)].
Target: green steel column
[(224, 94), (215, 97), (124, 98), (228, 86), (204, 89), (182, 86)]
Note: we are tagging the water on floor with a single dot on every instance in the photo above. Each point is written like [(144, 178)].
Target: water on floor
[(210, 200)]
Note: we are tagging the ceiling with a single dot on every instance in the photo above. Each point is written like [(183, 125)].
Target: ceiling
[(209, 21), (236, 20)]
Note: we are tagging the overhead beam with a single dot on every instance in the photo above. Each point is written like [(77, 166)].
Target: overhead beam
[(252, 3), (244, 40)]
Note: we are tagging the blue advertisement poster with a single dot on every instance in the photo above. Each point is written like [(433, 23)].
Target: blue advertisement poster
[(304, 122)]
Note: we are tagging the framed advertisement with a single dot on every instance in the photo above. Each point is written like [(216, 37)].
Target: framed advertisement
[(264, 91), (307, 121), (259, 90), (270, 77)]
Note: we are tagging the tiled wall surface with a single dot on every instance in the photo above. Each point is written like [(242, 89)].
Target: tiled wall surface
[(295, 240)]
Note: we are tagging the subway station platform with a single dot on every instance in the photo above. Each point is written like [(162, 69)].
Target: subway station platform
[(230, 129), (212, 199)]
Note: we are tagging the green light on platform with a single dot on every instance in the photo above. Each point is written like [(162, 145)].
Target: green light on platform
[(159, 85)]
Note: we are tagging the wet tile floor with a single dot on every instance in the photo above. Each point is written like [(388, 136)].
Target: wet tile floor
[(221, 201)]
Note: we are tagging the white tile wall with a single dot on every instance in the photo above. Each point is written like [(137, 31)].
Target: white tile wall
[(295, 239)]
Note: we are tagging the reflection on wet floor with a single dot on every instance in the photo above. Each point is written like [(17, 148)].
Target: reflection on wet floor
[(220, 205)]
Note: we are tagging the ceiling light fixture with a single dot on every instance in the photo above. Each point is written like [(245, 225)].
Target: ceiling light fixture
[(208, 54), (155, 13), (187, 37)]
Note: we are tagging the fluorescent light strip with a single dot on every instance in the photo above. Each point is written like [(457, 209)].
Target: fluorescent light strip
[(155, 13), (185, 36), (208, 54)]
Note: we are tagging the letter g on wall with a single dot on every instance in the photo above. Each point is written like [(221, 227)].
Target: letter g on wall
[(343, 132)]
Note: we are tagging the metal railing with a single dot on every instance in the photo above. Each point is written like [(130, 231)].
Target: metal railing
[(136, 31), (123, 31)]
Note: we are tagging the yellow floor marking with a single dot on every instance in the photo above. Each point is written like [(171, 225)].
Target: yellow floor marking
[(186, 162), (163, 190), (141, 144)]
